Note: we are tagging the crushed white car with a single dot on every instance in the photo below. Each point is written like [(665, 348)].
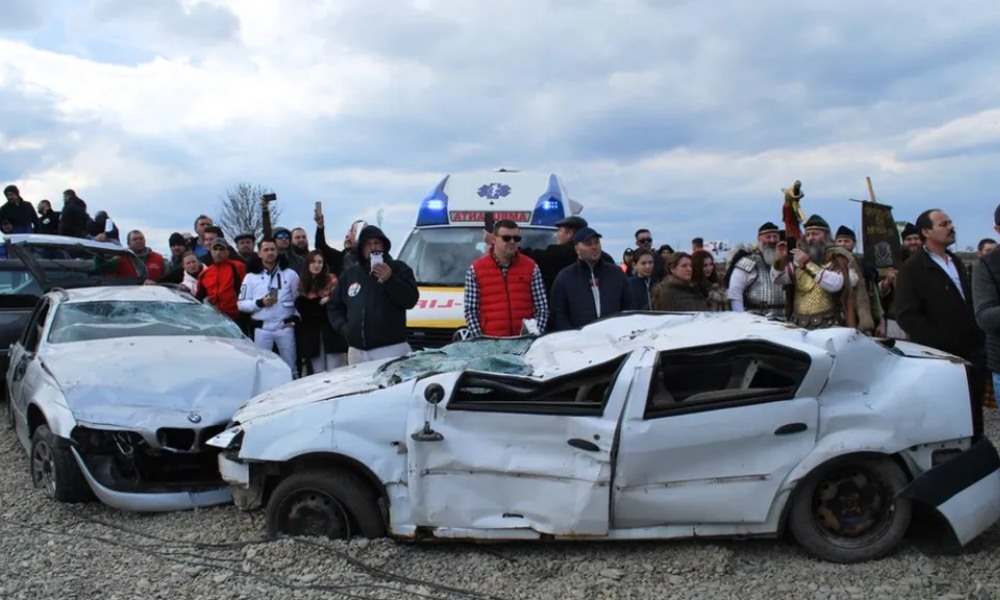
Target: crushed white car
[(641, 426), (113, 392)]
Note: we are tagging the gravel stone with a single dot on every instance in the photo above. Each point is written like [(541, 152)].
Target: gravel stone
[(88, 551)]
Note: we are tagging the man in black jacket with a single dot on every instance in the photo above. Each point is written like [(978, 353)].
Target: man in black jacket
[(74, 220), (986, 300), (369, 305), (934, 303), (16, 215), (589, 289)]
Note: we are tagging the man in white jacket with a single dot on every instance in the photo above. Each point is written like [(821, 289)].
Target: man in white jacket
[(268, 295)]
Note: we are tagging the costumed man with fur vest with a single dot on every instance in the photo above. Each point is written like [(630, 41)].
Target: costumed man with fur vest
[(368, 306), (268, 294), (504, 288), (847, 240), (824, 287), (751, 287)]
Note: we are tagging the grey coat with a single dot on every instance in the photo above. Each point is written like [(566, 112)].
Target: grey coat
[(986, 303)]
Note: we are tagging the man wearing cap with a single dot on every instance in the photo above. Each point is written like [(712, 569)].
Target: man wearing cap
[(911, 240), (504, 288), (986, 303), (752, 286), (555, 257), (589, 289), (244, 246), (178, 247), (822, 279), (219, 283), (868, 279)]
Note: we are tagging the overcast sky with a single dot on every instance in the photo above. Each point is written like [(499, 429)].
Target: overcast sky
[(685, 117)]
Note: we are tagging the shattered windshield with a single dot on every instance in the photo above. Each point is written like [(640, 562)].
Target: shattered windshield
[(442, 255), (502, 356), (85, 321)]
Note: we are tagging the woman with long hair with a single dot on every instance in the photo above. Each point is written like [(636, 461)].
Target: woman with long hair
[(325, 348), (706, 279), (678, 293)]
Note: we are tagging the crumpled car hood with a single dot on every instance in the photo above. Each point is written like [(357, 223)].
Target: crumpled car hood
[(341, 382), (134, 382)]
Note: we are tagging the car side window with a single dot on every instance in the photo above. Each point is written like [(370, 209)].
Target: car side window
[(33, 331), (582, 393), (724, 376)]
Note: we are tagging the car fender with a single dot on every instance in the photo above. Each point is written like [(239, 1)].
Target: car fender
[(50, 401), (844, 443)]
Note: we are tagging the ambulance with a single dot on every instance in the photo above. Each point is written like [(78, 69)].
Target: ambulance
[(448, 236)]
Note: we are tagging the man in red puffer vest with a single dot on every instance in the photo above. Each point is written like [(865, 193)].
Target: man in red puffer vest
[(503, 288)]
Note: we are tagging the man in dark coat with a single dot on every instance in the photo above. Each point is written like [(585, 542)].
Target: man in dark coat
[(74, 220), (986, 300), (369, 305), (934, 303), (17, 215), (588, 289)]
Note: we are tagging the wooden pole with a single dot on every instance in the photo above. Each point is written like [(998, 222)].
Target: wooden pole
[(871, 190)]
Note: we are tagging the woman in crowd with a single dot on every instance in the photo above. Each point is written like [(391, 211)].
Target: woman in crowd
[(678, 293), (628, 265), (317, 341), (192, 269), (642, 283), (707, 280)]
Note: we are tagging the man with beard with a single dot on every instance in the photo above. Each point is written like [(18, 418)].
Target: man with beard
[(934, 303), (752, 287), (868, 284), (74, 219), (300, 242), (244, 246), (911, 240), (17, 216), (822, 279), (178, 248)]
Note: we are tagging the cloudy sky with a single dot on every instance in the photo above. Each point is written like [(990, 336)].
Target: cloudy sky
[(687, 117)]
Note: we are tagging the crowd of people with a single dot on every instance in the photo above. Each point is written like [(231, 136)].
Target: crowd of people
[(321, 308)]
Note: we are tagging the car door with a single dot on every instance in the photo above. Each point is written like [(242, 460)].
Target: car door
[(510, 453), (20, 374), (712, 432)]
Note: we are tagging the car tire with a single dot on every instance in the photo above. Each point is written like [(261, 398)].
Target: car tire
[(848, 510), (54, 469), (333, 503)]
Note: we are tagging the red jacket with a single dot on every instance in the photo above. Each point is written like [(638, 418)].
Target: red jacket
[(220, 283), (155, 268), (504, 301)]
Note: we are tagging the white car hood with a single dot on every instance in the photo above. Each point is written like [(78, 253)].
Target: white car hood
[(341, 382), (165, 381)]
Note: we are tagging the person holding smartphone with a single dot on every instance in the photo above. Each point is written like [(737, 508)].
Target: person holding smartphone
[(369, 305), (268, 295)]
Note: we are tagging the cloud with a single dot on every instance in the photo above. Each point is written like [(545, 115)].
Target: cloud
[(678, 115), (19, 15)]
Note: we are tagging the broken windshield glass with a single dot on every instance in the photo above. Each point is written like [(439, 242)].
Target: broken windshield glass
[(85, 321), (504, 356)]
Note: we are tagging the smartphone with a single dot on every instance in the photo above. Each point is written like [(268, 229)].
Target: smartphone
[(319, 209), (376, 259), (269, 197), (109, 226), (273, 292)]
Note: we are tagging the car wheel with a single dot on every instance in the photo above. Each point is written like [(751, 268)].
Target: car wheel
[(54, 469), (848, 510), (335, 503)]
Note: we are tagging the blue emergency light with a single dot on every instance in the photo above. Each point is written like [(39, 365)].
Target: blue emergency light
[(549, 210), (434, 208)]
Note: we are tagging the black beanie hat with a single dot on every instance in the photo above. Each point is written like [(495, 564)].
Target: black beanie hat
[(844, 232)]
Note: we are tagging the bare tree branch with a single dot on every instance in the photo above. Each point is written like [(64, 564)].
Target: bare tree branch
[(240, 211)]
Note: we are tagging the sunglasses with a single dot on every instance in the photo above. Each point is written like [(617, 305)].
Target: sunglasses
[(510, 238), (645, 240), (282, 237)]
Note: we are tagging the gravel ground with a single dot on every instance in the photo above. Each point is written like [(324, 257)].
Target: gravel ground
[(48, 550)]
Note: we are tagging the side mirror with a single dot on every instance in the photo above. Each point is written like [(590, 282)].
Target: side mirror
[(434, 393)]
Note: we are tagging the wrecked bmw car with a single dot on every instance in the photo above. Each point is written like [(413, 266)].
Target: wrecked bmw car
[(639, 426), (113, 392)]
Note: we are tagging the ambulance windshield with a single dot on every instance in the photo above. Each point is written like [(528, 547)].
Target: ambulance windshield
[(441, 255)]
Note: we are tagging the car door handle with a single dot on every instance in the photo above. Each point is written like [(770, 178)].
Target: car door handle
[(584, 445), (791, 428), (20, 369)]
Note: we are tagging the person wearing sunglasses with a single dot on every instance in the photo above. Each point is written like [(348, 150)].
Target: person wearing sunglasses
[(504, 288), (644, 239)]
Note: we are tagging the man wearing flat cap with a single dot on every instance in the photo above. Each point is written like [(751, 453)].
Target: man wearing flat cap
[(590, 288), (752, 287), (911, 240), (824, 285), (868, 272), (555, 257), (244, 246)]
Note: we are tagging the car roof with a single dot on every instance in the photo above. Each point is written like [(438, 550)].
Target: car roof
[(563, 352), (31, 239), (123, 293)]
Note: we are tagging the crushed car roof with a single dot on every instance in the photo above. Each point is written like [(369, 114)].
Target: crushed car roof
[(119, 293)]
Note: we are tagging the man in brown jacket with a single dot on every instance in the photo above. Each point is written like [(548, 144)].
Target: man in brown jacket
[(933, 303)]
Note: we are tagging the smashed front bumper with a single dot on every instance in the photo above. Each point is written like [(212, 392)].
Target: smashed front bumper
[(152, 501), (964, 490)]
